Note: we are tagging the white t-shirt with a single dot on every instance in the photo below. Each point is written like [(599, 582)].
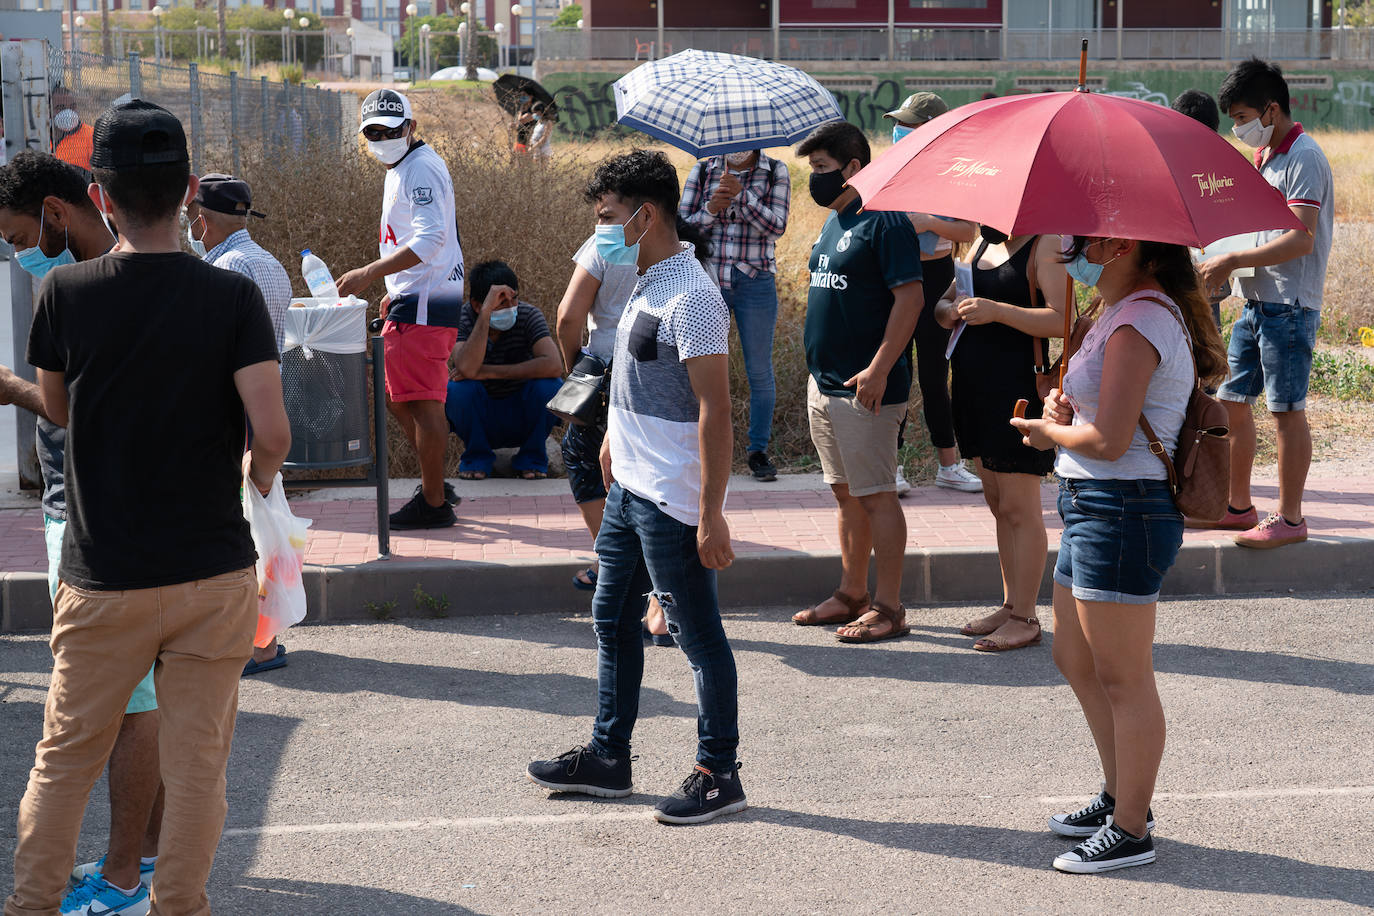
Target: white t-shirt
[(418, 213), (1166, 399), (617, 283), (675, 314)]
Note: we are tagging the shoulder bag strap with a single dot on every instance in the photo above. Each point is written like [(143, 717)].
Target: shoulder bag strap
[(1156, 446)]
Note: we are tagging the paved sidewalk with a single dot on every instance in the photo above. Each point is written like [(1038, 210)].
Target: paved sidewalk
[(764, 520), (519, 543)]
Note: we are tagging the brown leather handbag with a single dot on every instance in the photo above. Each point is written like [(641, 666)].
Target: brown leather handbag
[(1200, 471)]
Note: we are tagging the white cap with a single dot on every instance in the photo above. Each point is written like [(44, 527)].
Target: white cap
[(386, 107)]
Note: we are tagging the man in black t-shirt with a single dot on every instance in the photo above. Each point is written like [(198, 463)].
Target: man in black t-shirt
[(506, 367), (151, 359), (861, 311)]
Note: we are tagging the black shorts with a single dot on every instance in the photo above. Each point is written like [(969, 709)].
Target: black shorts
[(582, 458)]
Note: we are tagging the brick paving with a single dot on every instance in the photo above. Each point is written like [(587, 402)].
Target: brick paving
[(501, 529)]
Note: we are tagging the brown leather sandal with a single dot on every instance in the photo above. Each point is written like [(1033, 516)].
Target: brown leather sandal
[(991, 645), (811, 618), (897, 618), (969, 629)]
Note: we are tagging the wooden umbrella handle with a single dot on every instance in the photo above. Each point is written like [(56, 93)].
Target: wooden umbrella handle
[(1019, 411), (1070, 309)]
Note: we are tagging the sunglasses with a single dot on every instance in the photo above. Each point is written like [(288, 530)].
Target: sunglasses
[(378, 132)]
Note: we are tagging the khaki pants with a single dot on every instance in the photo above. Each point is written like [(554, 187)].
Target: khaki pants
[(200, 634)]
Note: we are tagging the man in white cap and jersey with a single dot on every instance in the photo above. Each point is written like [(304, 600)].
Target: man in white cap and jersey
[(422, 264)]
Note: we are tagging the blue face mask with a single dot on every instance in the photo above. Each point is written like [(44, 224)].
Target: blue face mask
[(36, 262), (1085, 271), (898, 132), (610, 243), (504, 319)]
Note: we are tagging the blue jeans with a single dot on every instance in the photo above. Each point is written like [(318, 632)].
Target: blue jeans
[(1271, 351), (485, 423), (643, 550), (754, 300)]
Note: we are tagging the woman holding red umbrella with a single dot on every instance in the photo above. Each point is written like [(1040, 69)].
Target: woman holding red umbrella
[(1121, 529)]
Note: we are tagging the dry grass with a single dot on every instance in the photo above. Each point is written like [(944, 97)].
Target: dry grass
[(532, 215)]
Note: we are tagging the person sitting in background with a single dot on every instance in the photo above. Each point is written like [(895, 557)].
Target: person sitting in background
[(71, 136), (542, 134), (505, 369), (936, 236)]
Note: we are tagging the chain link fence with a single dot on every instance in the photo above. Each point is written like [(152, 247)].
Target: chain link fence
[(223, 114)]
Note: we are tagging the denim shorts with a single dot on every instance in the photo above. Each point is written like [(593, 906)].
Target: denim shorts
[(1120, 538), (1271, 351)]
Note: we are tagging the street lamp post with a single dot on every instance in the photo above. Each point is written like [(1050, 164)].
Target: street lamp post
[(352, 54), (466, 10), (499, 29), (411, 10), (516, 11), (424, 49), (288, 47), (157, 12), (76, 35), (305, 59)]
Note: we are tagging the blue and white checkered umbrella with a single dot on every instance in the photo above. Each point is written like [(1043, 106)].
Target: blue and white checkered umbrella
[(709, 103)]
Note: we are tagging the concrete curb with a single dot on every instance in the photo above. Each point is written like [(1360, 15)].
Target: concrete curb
[(934, 576)]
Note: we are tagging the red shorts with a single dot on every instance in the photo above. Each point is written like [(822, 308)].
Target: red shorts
[(417, 361)]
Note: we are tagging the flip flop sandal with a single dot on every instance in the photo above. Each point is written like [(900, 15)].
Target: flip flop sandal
[(992, 645), (472, 475), (897, 619), (585, 580), (658, 639), (811, 618), (968, 629), (276, 661)]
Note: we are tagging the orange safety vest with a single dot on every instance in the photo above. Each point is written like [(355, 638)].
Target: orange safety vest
[(76, 146)]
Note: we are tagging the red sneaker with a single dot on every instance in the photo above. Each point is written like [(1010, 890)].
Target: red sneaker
[(1274, 531), (1231, 521)]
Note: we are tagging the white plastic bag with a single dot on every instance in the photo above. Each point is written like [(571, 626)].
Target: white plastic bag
[(332, 328), (279, 538)]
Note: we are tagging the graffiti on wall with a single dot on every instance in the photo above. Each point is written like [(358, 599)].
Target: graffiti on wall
[(587, 101)]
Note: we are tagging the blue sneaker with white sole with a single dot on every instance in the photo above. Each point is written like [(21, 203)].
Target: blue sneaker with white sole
[(97, 868), (97, 897)]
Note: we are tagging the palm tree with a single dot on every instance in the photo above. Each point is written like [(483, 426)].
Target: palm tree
[(106, 47), (222, 15)]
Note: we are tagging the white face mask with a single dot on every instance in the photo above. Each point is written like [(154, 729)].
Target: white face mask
[(66, 120), (1253, 133), (389, 152), (197, 244), (105, 217)]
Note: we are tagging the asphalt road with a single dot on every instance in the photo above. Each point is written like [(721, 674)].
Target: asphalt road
[(383, 772)]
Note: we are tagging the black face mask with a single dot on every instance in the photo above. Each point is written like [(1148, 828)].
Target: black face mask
[(826, 186), (992, 236)]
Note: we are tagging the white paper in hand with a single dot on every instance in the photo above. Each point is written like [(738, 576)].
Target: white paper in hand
[(963, 289)]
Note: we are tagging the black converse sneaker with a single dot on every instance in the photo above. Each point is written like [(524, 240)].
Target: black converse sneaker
[(419, 514), (1108, 849), (583, 770), (703, 796), (450, 495), (1089, 819)]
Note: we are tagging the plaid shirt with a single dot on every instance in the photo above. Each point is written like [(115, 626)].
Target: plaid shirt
[(744, 233), (241, 254)]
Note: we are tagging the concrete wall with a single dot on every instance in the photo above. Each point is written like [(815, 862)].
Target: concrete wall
[(1333, 98)]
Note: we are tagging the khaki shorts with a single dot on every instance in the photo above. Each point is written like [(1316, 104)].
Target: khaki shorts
[(856, 447)]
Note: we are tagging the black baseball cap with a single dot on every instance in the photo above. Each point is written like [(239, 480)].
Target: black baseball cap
[(137, 133), (386, 107), (226, 194)]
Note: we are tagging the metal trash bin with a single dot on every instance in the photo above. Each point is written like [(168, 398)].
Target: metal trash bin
[(324, 382)]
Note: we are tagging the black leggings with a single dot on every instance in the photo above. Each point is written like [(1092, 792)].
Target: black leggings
[(932, 369)]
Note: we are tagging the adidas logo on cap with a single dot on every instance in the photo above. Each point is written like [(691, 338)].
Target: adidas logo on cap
[(384, 103)]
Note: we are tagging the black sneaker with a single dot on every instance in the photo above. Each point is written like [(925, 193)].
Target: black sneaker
[(583, 770), (450, 495), (704, 796), (419, 514), (1089, 819), (761, 467), (1108, 849)]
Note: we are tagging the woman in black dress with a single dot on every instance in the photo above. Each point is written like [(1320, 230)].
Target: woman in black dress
[(993, 366)]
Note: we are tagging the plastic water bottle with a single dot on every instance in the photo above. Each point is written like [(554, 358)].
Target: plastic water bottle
[(317, 277)]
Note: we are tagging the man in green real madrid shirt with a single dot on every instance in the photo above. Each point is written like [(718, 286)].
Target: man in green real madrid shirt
[(860, 314)]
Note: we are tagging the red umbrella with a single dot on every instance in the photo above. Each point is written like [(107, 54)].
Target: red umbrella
[(1077, 163)]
